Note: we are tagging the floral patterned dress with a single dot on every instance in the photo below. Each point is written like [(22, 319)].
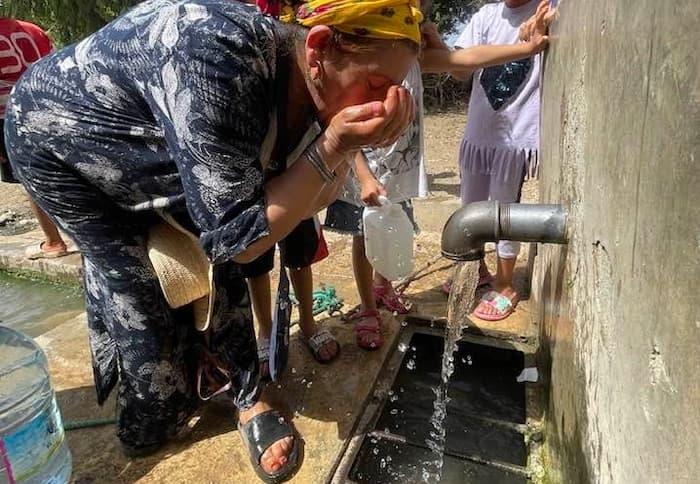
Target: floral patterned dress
[(168, 109)]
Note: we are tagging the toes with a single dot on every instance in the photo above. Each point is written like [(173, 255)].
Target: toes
[(275, 457)]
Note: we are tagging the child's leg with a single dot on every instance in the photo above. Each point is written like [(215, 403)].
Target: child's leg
[(257, 274), (364, 273), (298, 251), (261, 300), (303, 283), (474, 187), (505, 191)]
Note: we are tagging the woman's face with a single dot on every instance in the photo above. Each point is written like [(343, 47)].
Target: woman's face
[(358, 77)]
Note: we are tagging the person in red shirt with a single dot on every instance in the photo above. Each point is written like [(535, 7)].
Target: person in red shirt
[(22, 44)]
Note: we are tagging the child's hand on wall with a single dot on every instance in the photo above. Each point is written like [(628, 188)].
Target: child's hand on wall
[(536, 27), (534, 30)]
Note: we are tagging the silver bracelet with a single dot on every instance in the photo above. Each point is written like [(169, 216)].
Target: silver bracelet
[(313, 154)]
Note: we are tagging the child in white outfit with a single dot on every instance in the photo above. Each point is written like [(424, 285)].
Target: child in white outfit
[(501, 139)]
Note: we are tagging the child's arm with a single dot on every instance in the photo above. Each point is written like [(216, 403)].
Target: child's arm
[(370, 187), (474, 58), (466, 61)]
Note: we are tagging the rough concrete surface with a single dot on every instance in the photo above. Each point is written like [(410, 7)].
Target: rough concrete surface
[(619, 305)]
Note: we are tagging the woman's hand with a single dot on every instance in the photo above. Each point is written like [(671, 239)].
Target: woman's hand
[(373, 124), (371, 191)]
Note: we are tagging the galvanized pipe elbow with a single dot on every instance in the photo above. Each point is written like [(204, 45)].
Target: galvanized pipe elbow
[(470, 227)]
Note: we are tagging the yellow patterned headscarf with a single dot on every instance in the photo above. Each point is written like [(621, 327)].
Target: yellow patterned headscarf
[(377, 19)]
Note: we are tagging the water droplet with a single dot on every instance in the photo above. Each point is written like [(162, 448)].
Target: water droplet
[(404, 323), (375, 451), (382, 463), (309, 384), (394, 411), (411, 365), (394, 398), (294, 370), (403, 347)]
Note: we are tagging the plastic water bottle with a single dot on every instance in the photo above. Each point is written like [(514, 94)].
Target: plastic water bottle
[(32, 441), (388, 239)]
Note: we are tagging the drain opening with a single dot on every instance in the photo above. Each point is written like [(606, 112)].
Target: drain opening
[(484, 424)]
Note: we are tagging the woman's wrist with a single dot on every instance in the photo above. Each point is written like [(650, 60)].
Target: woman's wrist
[(330, 152)]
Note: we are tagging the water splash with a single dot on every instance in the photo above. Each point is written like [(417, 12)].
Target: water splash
[(460, 303)]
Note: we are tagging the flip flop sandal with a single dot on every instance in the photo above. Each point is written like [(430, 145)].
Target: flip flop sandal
[(391, 300), (363, 327), (497, 301), (264, 357), (260, 433), (318, 341), (37, 252)]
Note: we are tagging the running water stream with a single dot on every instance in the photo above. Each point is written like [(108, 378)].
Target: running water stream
[(466, 276)]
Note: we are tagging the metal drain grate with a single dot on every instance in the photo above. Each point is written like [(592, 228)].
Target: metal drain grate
[(484, 424)]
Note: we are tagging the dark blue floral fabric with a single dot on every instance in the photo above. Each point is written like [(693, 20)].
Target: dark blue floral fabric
[(164, 109)]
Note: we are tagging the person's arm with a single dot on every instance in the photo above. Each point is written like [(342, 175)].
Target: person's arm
[(473, 54), (466, 61), (370, 188), (212, 105)]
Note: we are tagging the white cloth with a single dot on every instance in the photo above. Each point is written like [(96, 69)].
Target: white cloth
[(502, 129), (400, 168)]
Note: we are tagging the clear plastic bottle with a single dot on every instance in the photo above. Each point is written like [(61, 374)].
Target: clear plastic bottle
[(389, 239), (32, 440)]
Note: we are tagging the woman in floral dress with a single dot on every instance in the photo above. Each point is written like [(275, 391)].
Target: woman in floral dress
[(188, 109)]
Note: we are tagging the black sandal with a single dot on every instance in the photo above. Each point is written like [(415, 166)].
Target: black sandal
[(261, 432)]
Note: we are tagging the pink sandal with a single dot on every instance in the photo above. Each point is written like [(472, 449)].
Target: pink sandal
[(391, 300), (484, 280), (369, 322), (504, 306)]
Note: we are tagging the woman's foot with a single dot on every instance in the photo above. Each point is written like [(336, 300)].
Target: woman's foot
[(368, 329), (275, 457), (498, 304)]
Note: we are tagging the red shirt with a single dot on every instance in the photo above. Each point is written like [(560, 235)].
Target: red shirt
[(21, 44)]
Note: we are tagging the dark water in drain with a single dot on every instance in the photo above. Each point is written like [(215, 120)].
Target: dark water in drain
[(36, 307), (391, 462), (483, 393)]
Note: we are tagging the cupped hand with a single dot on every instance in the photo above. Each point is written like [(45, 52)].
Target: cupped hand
[(378, 123)]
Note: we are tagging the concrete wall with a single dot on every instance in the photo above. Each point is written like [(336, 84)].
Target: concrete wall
[(620, 305)]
